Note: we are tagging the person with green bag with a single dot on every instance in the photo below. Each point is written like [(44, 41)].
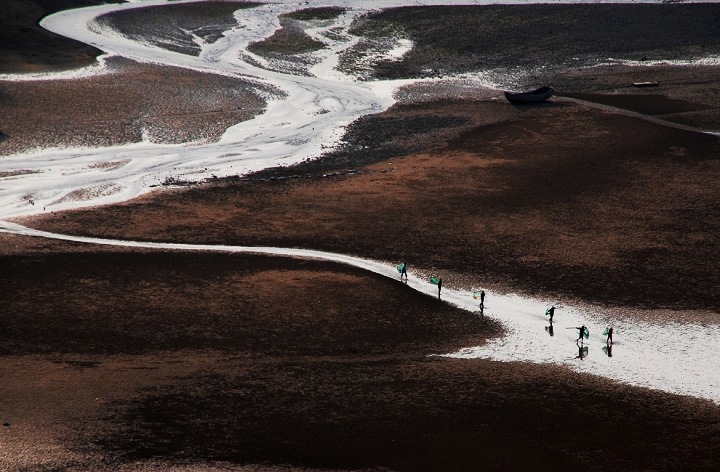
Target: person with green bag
[(608, 332), (583, 333)]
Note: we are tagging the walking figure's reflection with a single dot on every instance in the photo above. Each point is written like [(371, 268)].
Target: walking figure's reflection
[(607, 349), (550, 329), (582, 351)]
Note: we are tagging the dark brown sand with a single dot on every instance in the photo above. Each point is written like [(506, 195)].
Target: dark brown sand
[(175, 26), (26, 47), (146, 360), (128, 103), (560, 199), (209, 360)]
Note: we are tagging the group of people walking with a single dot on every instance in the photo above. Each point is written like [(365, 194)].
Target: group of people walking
[(403, 268), (583, 332)]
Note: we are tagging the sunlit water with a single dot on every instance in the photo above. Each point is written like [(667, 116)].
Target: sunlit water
[(675, 357)]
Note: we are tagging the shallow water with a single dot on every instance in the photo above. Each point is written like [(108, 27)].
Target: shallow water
[(673, 357)]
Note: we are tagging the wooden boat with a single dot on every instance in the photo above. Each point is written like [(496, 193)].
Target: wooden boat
[(537, 95), (645, 84)]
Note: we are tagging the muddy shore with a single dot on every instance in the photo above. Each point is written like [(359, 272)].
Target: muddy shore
[(196, 361), (562, 199), (157, 360), (26, 47)]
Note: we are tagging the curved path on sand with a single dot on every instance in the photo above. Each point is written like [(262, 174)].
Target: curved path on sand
[(634, 114), (673, 357)]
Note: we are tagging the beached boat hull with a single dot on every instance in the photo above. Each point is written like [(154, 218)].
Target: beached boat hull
[(537, 95)]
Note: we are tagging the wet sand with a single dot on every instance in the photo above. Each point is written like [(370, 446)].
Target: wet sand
[(128, 103), (27, 47), (206, 361), (301, 364), (117, 360), (560, 199)]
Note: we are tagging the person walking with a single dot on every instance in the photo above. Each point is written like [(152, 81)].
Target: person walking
[(403, 271), (582, 332), (482, 298), (551, 311), (439, 285), (609, 336)]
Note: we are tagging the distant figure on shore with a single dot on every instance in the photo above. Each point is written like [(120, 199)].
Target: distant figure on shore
[(480, 295), (609, 332), (583, 332), (403, 271), (437, 281), (551, 311)]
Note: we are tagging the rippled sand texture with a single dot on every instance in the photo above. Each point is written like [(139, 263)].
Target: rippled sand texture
[(131, 102), (175, 27), (128, 103)]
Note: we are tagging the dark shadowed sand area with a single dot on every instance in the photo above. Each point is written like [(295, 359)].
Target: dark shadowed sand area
[(27, 47), (157, 360)]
